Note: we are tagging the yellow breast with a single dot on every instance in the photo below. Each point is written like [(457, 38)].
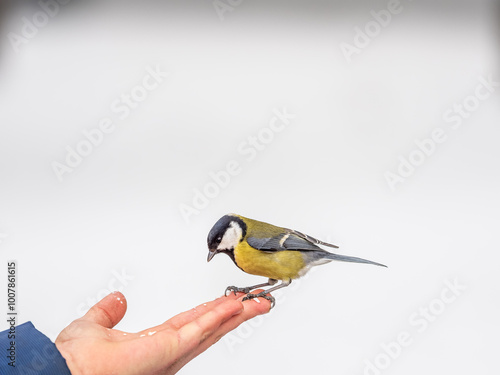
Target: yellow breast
[(280, 265)]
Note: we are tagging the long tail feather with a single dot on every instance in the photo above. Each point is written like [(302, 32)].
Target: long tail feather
[(344, 258)]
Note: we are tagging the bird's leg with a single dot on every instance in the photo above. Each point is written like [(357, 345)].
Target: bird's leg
[(264, 293), (247, 290)]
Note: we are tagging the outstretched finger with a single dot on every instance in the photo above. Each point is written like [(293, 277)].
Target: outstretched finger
[(188, 316), (196, 332), (251, 309)]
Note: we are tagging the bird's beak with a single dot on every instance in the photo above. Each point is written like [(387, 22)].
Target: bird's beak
[(211, 254)]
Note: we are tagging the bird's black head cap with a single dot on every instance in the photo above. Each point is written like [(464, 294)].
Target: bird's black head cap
[(220, 227)]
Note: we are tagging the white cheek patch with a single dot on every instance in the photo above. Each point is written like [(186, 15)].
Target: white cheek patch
[(231, 237)]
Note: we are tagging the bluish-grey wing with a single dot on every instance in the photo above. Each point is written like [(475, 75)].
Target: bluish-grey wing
[(311, 239), (285, 241)]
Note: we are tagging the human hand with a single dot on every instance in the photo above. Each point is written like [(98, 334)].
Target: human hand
[(91, 346)]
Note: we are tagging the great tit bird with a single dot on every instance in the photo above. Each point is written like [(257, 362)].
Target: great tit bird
[(266, 250)]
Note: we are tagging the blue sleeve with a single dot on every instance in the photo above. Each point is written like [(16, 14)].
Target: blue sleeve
[(31, 352)]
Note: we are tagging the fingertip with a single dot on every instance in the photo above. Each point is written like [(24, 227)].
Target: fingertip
[(259, 305), (108, 311), (119, 298), (263, 305), (251, 309)]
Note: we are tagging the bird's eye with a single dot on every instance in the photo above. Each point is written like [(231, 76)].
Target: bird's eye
[(219, 239)]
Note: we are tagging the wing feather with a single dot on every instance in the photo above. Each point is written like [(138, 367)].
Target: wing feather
[(312, 239), (289, 240)]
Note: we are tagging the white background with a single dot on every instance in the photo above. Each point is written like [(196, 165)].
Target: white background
[(118, 211)]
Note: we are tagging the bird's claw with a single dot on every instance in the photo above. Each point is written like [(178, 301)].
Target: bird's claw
[(250, 296), (235, 290)]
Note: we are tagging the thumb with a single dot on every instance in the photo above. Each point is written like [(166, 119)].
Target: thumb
[(108, 311)]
